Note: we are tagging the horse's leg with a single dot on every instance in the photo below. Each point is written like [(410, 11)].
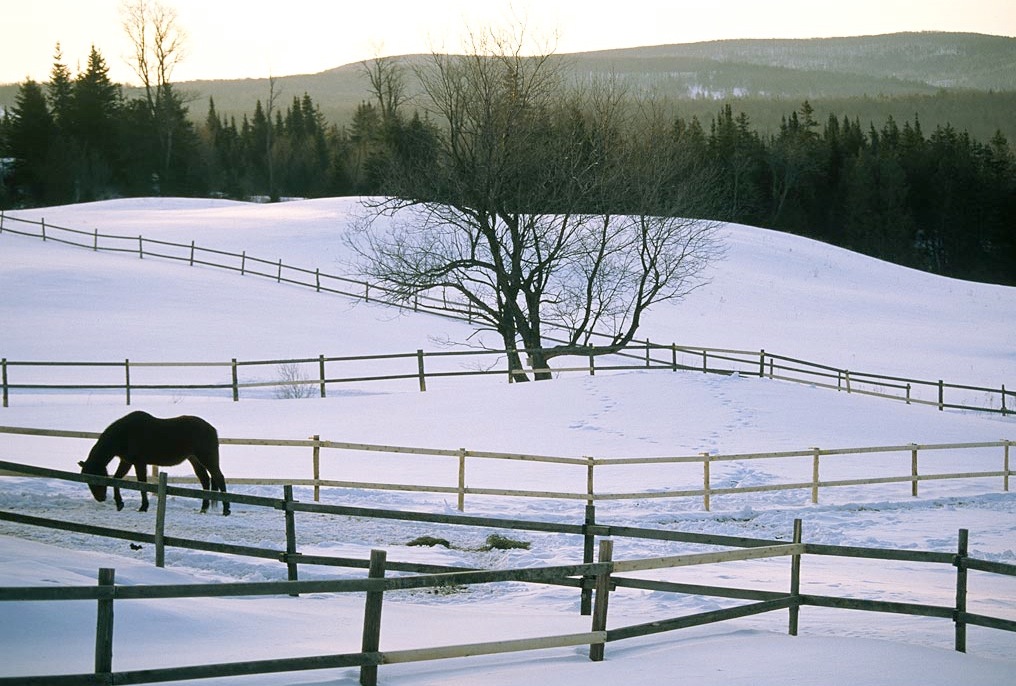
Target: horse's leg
[(141, 470), (202, 474), (121, 471), (220, 481)]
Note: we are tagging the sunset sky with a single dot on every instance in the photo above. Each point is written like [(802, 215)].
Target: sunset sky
[(258, 38)]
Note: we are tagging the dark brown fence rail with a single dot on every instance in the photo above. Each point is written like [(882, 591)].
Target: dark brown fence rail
[(300, 377), (595, 579)]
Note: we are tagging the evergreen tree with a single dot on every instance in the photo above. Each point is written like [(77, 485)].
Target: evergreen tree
[(30, 139), (95, 130)]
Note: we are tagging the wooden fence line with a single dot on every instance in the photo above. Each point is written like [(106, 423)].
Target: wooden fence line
[(761, 363), (601, 573), (586, 477)]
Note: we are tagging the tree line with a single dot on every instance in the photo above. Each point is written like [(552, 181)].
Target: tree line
[(939, 201)]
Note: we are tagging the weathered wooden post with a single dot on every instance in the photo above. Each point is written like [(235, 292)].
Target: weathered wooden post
[(236, 383), (104, 625), (372, 617), (913, 469), (1005, 464), (961, 592), (160, 523), (141, 247), (321, 371), (420, 371), (291, 565), (814, 475), (317, 467), (127, 374), (462, 480), (762, 363), (3, 374), (705, 480), (941, 395), (795, 582), (602, 596), (588, 549)]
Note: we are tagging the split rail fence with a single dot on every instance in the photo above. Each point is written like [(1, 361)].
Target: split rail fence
[(645, 355), (586, 468), (595, 580)]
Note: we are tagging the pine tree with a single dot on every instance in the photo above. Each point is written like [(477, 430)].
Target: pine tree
[(31, 135)]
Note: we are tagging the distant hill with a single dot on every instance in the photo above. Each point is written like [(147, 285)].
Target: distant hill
[(965, 79)]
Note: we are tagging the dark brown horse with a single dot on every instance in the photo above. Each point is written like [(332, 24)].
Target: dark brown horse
[(139, 439)]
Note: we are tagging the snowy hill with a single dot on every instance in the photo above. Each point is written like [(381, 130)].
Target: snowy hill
[(782, 293)]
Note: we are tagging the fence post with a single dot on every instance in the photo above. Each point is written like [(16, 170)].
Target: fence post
[(1005, 464), (462, 480), (160, 523), (95, 241), (372, 617), (1004, 411), (673, 357), (279, 277), (592, 364), (961, 592), (588, 548), (913, 469), (3, 373), (243, 262), (795, 582), (941, 395), (104, 626), (236, 384), (602, 596), (43, 223), (762, 363), (141, 248), (317, 279), (317, 466), (287, 495), (705, 480), (192, 253), (814, 476), (127, 374), (419, 365), (846, 378), (647, 353), (321, 370)]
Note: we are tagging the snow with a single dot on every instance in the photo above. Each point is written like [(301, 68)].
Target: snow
[(782, 293)]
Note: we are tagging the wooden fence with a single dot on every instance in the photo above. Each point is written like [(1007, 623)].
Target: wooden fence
[(595, 579), (646, 355), (586, 469)]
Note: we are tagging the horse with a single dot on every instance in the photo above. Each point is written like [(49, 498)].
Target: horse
[(139, 439)]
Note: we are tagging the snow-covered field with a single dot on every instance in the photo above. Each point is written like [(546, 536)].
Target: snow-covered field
[(785, 294)]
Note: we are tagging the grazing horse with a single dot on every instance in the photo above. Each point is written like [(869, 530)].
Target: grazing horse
[(139, 439)]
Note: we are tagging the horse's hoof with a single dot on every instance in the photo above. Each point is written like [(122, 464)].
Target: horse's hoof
[(225, 513), (119, 506), (143, 508)]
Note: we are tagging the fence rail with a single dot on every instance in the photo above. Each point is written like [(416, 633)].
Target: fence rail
[(648, 355), (595, 579), (586, 468)]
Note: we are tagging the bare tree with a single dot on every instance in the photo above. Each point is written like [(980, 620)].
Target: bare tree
[(158, 44), (516, 211), (387, 84)]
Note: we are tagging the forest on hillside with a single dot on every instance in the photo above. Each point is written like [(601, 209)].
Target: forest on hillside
[(939, 200)]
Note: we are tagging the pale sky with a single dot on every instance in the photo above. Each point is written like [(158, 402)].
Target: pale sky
[(229, 39)]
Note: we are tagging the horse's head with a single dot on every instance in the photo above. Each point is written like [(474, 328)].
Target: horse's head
[(98, 490)]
